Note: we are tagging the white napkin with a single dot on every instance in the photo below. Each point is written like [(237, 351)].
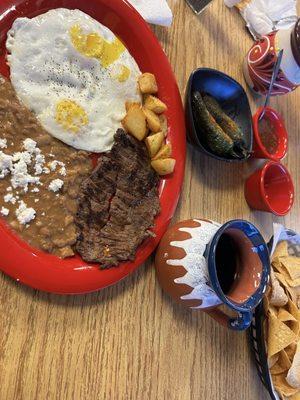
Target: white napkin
[(154, 11), (265, 16)]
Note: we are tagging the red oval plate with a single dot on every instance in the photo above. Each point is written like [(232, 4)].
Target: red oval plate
[(73, 276)]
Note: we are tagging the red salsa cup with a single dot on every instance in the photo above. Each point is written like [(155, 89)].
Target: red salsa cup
[(270, 189), (270, 135)]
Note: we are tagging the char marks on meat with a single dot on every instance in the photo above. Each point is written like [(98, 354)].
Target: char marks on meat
[(118, 203)]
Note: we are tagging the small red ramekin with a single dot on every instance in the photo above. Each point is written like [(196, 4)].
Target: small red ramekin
[(259, 150), (270, 189)]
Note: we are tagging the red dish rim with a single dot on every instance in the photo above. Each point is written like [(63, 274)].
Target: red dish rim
[(263, 191), (73, 276)]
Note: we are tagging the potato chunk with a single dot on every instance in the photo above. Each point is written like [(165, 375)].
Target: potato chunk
[(135, 122), (154, 143), (147, 83), (164, 166), (163, 123), (164, 152), (152, 120), (155, 105), (130, 104)]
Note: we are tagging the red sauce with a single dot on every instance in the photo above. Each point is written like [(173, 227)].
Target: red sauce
[(268, 135)]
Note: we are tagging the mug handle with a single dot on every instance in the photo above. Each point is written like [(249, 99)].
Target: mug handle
[(241, 323)]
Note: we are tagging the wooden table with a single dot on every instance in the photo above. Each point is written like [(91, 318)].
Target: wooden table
[(130, 341)]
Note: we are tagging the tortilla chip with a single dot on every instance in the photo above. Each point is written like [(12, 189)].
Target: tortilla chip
[(293, 309), (284, 315), (292, 265), (273, 360), (294, 326), (294, 294), (283, 364), (279, 335), (281, 250), (284, 360), (293, 376), (291, 350), (277, 265), (278, 369), (282, 279), (282, 387), (266, 304), (287, 280), (292, 282), (278, 297), (294, 397)]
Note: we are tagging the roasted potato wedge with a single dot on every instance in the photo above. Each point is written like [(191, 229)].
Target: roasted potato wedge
[(154, 104), (135, 122), (163, 123), (164, 152), (152, 120), (129, 104), (147, 83), (154, 143), (164, 166)]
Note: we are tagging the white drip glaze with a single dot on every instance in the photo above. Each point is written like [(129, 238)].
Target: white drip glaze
[(197, 276)]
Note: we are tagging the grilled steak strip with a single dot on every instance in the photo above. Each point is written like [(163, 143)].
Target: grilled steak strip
[(118, 204)]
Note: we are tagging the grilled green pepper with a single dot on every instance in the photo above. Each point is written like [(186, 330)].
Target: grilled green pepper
[(226, 123), (216, 139)]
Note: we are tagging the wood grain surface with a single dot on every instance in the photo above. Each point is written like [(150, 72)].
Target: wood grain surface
[(130, 342)]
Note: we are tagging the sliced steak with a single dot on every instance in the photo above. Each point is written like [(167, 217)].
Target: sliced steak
[(118, 204)]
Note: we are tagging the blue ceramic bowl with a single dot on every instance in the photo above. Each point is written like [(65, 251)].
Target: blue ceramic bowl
[(233, 100)]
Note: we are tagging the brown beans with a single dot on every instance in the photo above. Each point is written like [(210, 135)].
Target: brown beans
[(53, 229)]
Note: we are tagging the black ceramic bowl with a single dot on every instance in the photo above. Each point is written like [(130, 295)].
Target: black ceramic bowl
[(233, 100)]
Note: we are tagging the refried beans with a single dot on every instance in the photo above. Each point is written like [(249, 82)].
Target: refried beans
[(52, 202)]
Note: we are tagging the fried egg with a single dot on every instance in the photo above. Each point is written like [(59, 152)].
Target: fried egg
[(74, 74)]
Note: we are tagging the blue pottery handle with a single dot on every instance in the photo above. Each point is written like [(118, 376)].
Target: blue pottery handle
[(242, 322)]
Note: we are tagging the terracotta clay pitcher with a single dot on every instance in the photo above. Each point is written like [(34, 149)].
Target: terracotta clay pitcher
[(203, 264)]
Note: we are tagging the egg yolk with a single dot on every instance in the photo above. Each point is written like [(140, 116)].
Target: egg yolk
[(124, 74), (93, 45), (70, 115)]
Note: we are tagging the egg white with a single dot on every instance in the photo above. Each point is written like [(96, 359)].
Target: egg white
[(46, 68)]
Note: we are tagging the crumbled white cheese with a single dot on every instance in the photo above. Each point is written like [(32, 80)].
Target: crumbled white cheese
[(46, 170), (63, 171), (24, 214), (19, 165), (4, 211), (55, 185), (9, 198), (29, 145), (53, 165), (36, 200), (43, 214), (22, 156), (3, 143), (39, 163), (38, 169), (5, 164), (20, 175)]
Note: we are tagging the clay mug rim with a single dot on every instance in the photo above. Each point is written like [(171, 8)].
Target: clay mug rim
[(245, 309)]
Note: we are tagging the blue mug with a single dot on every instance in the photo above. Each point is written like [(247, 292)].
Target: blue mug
[(203, 265)]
